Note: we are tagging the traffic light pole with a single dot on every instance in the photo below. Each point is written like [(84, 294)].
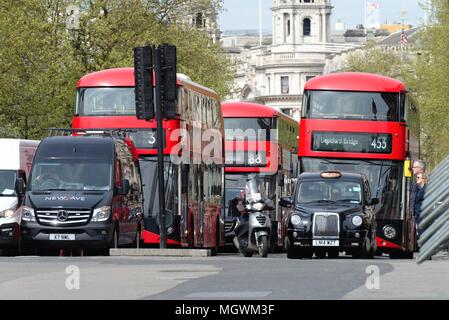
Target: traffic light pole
[(160, 147)]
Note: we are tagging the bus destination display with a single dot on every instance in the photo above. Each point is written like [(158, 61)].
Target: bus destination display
[(360, 142)]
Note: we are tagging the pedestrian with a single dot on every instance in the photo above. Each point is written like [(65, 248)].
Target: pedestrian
[(421, 182), (418, 167)]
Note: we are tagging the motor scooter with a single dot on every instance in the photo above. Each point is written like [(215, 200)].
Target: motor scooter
[(253, 228)]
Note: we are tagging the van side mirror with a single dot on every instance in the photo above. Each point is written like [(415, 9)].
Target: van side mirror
[(124, 187), (373, 201), (20, 186), (286, 202)]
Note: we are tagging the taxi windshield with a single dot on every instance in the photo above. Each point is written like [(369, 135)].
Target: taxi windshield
[(348, 192)]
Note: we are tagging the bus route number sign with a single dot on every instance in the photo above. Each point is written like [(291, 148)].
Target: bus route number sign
[(246, 159), (144, 139), (352, 142)]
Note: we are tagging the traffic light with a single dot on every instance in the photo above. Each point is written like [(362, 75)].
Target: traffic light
[(143, 76), (168, 80)]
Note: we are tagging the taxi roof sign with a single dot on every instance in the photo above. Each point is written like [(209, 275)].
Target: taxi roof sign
[(330, 174)]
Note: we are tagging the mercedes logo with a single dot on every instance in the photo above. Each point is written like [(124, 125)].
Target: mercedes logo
[(62, 215)]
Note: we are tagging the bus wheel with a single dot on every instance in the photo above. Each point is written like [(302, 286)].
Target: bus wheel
[(401, 255), (191, 240), (138, 240), (215, 249)]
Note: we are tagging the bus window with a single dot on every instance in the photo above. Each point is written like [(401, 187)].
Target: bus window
[(352, 105)]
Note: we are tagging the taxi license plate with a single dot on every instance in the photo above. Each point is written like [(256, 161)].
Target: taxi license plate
[(326, 243), (62, 237)]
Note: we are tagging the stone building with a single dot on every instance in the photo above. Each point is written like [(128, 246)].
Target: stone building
[(275, 74)]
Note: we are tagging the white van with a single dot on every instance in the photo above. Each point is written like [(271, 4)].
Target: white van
[(16, 157)]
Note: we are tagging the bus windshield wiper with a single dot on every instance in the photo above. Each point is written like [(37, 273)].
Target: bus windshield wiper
[(55, 189)]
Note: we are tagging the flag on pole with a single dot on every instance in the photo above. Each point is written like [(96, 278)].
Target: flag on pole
[(373, 6), (372, 15), (404, 39)]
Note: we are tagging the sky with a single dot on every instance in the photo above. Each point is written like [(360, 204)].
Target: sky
[(244, 14)]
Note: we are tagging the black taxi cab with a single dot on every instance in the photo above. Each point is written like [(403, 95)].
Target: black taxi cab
[(330, 212)]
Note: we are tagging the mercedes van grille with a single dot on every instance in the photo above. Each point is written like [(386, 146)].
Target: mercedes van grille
[(62, 217), (326, 225)]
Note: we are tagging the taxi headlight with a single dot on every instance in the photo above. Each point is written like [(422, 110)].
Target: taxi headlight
[(357, 221), (295, 219)]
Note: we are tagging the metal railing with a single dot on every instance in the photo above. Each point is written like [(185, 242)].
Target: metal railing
[(435, 214)]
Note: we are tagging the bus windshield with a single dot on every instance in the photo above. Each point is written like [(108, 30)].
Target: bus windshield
[(251, 129), (385, 180), (375, 106), (112, 101), (7, 182), (71, 175)]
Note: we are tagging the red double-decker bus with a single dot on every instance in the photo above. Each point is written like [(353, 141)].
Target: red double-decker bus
[(262, 140), (193, 186), (369, 124)]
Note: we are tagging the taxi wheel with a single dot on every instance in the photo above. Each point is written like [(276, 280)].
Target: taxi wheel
[(333, 254), (320, 254), (366, 251), (293, 253)]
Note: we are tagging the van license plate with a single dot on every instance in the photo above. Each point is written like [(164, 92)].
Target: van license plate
[(326, 243), (62, 237)]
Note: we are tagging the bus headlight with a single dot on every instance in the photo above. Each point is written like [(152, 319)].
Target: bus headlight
[(28, 214), (101, 214), (389, 231), (295, 219), (357, 221)]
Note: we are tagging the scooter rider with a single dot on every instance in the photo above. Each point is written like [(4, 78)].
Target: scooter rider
[(253, 230)]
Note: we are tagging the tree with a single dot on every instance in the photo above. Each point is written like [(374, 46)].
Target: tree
[(433, 77), (36, 69), (47, 45), (110, 29)]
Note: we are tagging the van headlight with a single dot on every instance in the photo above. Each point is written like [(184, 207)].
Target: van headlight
[(101, 214), (28, 214), (357, 221), (7, 213), (295, 219)]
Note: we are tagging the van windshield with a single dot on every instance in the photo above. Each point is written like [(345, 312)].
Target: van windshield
[(7, 183), (71, 174)]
